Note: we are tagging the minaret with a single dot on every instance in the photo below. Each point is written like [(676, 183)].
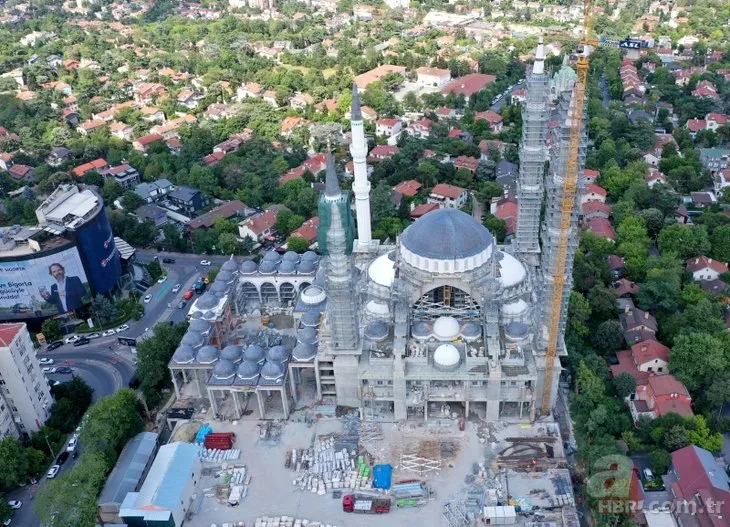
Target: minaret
[(340, 333), (361, 185), (533, 154)]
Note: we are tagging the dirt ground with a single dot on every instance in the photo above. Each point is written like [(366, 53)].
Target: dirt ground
[(272, 492)]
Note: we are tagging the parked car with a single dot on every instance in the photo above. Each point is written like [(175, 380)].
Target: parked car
[(15, 504), (109, 333), (72, 444), (45, 361), (72, 339), (176, 288), (162, 279), (133, 350), (147, 299), (54, 383), (188, 295), (648, 474), (64, 370), (168, 260), (62, 458), (123, 327), (206, 263), (82, 342), (181, 304), (93, 335), (53, 345), (53, 471), (49, 370), (7, 522)]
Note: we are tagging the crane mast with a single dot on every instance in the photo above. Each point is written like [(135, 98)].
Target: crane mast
[(567, 205)]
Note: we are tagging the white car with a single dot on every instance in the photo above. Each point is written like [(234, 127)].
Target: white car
[(123, 327), (15, 504), (49, 370), (72, 444), (45, 361), (176, 288), (147, 299), (133, 350), (162, 279), (53, 471), (109, 333), (93, 335), (72, 339), (205, 262)]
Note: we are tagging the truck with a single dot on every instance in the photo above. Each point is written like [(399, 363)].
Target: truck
[(365, 504), (199, 286)]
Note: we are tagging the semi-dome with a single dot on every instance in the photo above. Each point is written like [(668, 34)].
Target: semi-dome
[(183, 355), (471, 331), (208, 355), (278, 354), (307, 335), (287, 267), (254, 353), (511, 270), (303, 352), (272, 371), (446, 357), (516, 331), (382, 270), (207, 301), (224, 370), (305, 267), (446, 328), (218, 287), (229, 266), (310, 256), (248, 267), (313, 295), (272, 256), (232, 353), (515, 308), (310, 319), (268, 267), (192, 339), (225, 277), (376, 331), (199, 325), (421, 330), (446, 234), (248, 370), (377, 308), (209, 315), (290, 256)]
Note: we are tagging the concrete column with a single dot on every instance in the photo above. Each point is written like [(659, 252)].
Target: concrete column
[(174, 382), (184, 376), (400, 408), (317, 380), (213, 404), (261, 404), (292, 382), (466, 409), (285, 402), (345, 367), (197, 381), (234, 393)]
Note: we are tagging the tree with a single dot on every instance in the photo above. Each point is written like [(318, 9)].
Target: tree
[(153, 355), (131, 201), (654, 219), (72, 400), (694, 357), (675, 438), (381, 205), (297, 244), (720, 242), (625, 384), (14, 466), (5, 509), (603, 303), (579, 310), (51, 329), (686, 242), (496, 225), (104, 309), (659, 461), (609, 336), (155, 270), (717, 390)]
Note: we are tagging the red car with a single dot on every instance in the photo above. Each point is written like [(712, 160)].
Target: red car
[(188, 295)]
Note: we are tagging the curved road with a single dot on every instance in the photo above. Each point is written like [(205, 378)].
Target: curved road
[(105, 371)]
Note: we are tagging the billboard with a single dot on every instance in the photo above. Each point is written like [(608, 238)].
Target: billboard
[(44, 286), (96, 243)]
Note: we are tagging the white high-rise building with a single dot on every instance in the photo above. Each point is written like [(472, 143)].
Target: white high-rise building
[(25, 397)]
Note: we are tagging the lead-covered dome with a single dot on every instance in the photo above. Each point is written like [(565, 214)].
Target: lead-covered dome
[(272, 256), (248, 267), (200, 325), (307, 335), (278, 354), (208, 355), (183, 355), (207, 301), (272, 371), (249, 371), (224, 370), (310, 319), (304, 352), (230, 266), (376, 331), (421, 331), (446, 240), (192, 339), (232, 353), (254, 353)]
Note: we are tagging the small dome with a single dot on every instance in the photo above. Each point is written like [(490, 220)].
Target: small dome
[(307, 335), (268, 267), (382, 270), (278, 354), (446, 328), (516, 331), (225, 277), (254, 353), (183, 355), (197, 315), (377, 308), (199, 325), (207, 301), (376, 331), (446, 234), (303, 352), (421, 330), (310, 319), (218, 287), (313, 295), (229, 266), (248, 267), (305, 267), (446, 356), (287, 267), (310, 256), (272, 371), (272, 256), (209, 315), (515, 308), (290, 256), (208, 355), (232, 353), (192, 339), (248, 370), (511, 270), (224, 370), (471, 331)]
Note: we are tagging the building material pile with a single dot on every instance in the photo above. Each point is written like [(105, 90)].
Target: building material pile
[(216, 455), (234, 488), (287, 521), (220, 440)]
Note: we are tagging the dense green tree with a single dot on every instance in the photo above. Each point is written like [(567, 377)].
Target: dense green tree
[(720, 244), (608, 337), (625, 384), (153, 355), (51, 329), (297, 244), (381, 205), (696, 356), (103, 309), (14, 464), (131, 201), (686, 242), (603, 303)]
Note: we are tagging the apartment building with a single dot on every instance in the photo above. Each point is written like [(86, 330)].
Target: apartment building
[(25, 397)]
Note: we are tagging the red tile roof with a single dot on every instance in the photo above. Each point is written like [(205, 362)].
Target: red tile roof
[(8, 332), (422, 209), (507, 211), (408, 188), (490, 116), (469, 84), (703, 262), (592, 188), (648, 351), (695, 125), (96, 164), (383, 151), (601, 227), (662, 385), (308, 230), (624, 287), (448, 191), (262, 222), (595, 206), (146, 140)]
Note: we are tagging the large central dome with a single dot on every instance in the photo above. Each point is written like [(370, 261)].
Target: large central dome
[(446, 234)]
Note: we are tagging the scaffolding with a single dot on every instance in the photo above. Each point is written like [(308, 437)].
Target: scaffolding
[(446, 301)]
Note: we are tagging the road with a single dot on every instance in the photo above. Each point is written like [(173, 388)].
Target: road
[(604, 91), (107, 366), (497, 106)]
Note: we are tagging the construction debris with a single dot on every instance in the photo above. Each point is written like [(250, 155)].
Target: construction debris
[(215, 455), (270, 432), (235, 485), (287, 521)]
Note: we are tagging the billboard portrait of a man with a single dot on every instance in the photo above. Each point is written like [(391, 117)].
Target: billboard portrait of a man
[(67, 292)]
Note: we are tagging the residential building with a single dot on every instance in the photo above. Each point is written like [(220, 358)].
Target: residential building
[(250, 89), (715, 120), (308, 231), (469, 84), (88, 127), (715, 159), (702, 199), (506, 210), (233, 209), (423, 209), (661, 395), (645, 358), (141, 144), (187, 199), (705, 269), (420, 129), (492, 118), (380, 152), (262, 226), (405, 188), (21, 172), (432, 77), (601, 227), (365, 79), (121, 130), (449, 196), (95, 165), (592, 192), (59, 156), (151, 192), (388, 127), (151, 213), (314, 164), (300, 101), (468, 163), (595, 209), (25, 397), (126, 175)]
